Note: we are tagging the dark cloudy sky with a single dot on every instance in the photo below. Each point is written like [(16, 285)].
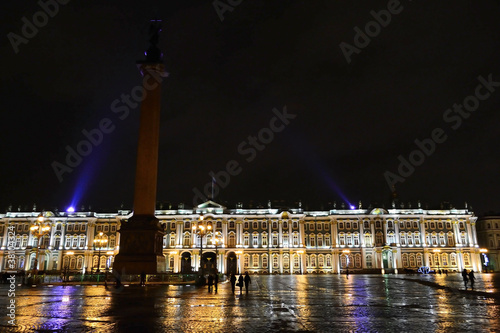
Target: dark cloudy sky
[(352, 120)]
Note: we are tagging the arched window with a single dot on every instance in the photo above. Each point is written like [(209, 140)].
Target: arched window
[(320, 240), (343, 261), (356, 239), (255, 239), (286, 241), (444, 259), (417, 238), (451, 241), (255, 260), (453, 259), (246, 239), (368, 239), (275, 261), (275, 239), (349, 239), (264, 239), (442, 240), (419, 260), (321, 260), (72, 263), (295, 239), (246, 261), (402, 240), (264, 261), (410, 239), (357, 260), (404, 257), (369, 261), (379, 238), (312, 240), (328, 260), (172, 239), (466, 259), (79, 262), (286, 261), (313, 261), (296, 261), (187, 239), (342, 239), (231, 239)]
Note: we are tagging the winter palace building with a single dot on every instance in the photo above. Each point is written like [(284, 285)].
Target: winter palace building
[(258, 240)]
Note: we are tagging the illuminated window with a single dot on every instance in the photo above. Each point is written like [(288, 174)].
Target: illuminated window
[(356, 239), (450, 239), (275, 262), (285, 225), (275, 225), (264, 239), (419, 260), (328, 260), (444, 259), (77, 227), (357, 260), (245, 225), (295, 239), (453, 259), (349, 239), (246, 261), (417, 239), (368, 239), (390, 225), (264, 225), (377, 224), (255, 260), (264, 261), (172, 226), (321, 260), (79, 262), (231, 240), (320, 226), (442, 240), (295, 225), (341, 225), (255, 241), (286, 262), (369, 261), (348, 225), (366, 225), (405, 260), (327, 240), (434, 240), (312, 240), (275, 239), (390, 238), (231, 224), (255, 225), (296, 261), (412, 260), (402, 239), (355, 225), (285, 240), (379, 237), (313, 261), (187, 239), (70, 227), (343, 261), (466, 259), (219, 225), (172, 240), (246, 238), (342, 238), (311, 226), (410, 239), (463, 238), (82, 242), (320, 240)]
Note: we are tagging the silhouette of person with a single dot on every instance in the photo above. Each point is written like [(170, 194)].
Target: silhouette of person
[(232, 279), (210, 282), (143, 279), (216, 281), (465, 278), (471, 279), (247, 281), (240, 283)]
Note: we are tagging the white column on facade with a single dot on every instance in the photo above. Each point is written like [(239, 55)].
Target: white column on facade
[(280, 233), (396, 254), (281, 261), (423, 239), (456, 232), (302, 234), (178, 233), (396, 231), (362, 235), (469, 233), (460, 260), (384, 227), (335, 234)]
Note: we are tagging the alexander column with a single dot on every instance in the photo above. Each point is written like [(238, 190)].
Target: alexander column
[(141, 238)]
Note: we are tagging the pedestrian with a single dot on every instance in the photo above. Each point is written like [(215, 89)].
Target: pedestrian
[(464, 276), (210, 282), (143, 279), (247, 281), (232, 279), (216, 281), (240, 283), (471, 279), (347, 273)]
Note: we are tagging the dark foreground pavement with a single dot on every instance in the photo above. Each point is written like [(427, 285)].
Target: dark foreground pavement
[(326, 303)]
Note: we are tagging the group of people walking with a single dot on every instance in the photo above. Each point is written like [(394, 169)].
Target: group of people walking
[(213, 281), (242, 281), (468, 277)]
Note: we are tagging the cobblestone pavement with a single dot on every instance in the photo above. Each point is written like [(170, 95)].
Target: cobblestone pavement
[(308, 303)]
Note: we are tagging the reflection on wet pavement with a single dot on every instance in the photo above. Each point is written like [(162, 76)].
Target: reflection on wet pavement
[(304, 303)]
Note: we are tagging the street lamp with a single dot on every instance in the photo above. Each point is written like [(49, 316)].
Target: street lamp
[(39, 229), (100, 240), (216, 241), (201, 231)]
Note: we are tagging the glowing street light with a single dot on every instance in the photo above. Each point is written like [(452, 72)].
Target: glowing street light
[(39, 229), (101, 241), (201, 231)]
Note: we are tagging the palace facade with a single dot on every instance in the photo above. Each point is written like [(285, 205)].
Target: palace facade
[(261, 241)]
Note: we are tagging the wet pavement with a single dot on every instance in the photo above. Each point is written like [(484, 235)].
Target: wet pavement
[(308, 303)]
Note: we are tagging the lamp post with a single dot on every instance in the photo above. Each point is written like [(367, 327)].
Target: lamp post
[(39, 229), (100, 240), (66, 267), (216, 241), (201, 231)]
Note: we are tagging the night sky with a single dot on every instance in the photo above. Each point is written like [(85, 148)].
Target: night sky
[(351, 119)]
